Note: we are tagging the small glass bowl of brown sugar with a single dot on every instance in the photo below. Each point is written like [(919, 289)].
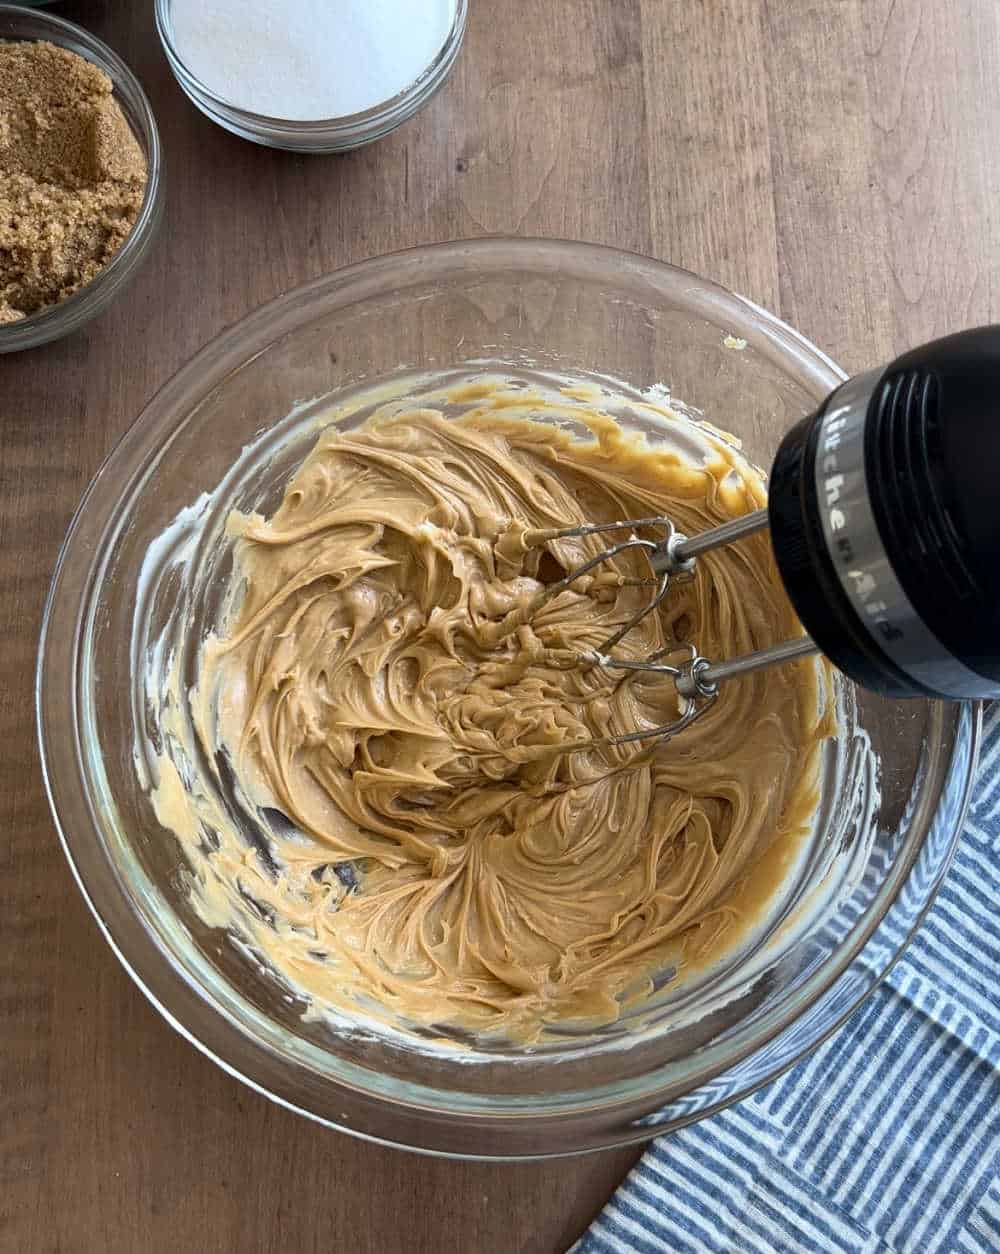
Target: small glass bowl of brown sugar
[(81, 193)]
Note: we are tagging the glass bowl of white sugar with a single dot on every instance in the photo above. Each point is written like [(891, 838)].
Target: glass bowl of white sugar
[(311, 77)]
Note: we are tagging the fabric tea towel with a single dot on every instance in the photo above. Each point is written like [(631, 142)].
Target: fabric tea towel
[(887, 1137)]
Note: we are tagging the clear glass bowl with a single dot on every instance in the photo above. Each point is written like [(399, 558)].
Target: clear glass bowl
[(17, 22), (322, 136), (233, 422)]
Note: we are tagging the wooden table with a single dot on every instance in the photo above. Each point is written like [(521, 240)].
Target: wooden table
[(835, 161)]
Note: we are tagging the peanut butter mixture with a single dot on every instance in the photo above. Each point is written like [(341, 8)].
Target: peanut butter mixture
[(449, 837)]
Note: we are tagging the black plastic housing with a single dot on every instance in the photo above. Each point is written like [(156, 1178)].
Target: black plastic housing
[(931, 455), (932, 451)]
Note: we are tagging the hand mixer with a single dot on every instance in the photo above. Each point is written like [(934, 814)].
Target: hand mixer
[(884, 513)]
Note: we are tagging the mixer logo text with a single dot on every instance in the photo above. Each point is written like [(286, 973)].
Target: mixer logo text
[(833, 485), (837, 487)]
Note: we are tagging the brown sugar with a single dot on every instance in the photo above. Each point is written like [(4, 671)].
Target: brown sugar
[(72, 176)]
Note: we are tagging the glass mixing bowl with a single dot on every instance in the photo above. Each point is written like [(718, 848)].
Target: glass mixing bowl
[(228, 429)]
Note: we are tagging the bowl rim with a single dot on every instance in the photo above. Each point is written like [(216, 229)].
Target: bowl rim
[(55, 321), (235, 346)]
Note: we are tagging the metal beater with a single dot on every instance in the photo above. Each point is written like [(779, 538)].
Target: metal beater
[(884, 513)]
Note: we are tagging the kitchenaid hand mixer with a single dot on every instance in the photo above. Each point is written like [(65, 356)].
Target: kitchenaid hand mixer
[(884, 513)]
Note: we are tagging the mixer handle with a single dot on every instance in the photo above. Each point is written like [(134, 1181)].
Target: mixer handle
[(884, 511)]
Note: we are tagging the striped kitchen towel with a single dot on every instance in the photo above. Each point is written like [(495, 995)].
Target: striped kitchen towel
[(886, 1138)]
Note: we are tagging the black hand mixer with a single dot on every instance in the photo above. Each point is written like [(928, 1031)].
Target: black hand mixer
[(884, 513)]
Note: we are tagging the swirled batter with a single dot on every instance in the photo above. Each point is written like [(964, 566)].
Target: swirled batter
[(394, 686)]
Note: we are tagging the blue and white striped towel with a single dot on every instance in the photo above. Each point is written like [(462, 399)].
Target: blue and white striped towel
[(886, 1138)]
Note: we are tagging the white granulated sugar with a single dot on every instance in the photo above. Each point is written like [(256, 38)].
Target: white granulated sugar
[(307, 60)]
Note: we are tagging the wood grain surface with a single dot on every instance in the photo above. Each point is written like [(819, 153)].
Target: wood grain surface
[(835, 160)]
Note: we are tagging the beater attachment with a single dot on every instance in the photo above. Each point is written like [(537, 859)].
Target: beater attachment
[(670, 558)]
